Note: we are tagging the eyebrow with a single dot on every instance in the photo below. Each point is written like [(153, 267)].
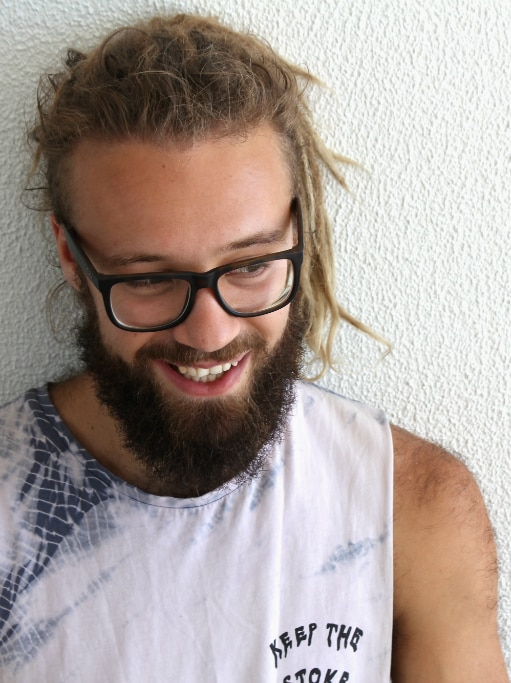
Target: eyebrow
[(258, 238)]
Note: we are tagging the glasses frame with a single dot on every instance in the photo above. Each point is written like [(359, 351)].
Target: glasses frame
[(196, 281)]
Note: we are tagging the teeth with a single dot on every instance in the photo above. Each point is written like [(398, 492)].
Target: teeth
[(206, 374)]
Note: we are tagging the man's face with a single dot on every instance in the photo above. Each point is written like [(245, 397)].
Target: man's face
[(142, 208)]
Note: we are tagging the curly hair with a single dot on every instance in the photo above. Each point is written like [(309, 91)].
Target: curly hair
[(187, 78)]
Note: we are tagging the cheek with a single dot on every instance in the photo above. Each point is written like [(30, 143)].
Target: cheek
[(271, 327), (120, 342)]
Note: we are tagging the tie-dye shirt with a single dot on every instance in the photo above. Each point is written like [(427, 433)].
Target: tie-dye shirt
[(284, 578)]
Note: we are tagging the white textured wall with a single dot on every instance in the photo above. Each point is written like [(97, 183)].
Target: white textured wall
[(420, 93)]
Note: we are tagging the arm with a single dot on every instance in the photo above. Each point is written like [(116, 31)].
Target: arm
[(445, 571)]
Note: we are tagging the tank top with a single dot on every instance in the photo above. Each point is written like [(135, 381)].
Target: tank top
[(285, 578)]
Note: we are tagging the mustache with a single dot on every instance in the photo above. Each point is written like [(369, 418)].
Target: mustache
[(180, 354)]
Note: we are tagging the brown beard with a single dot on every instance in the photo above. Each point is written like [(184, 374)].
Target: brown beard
[(192, 446)]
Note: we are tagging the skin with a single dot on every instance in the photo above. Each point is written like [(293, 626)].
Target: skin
[(173, 208), (445, 604), (197, 207)]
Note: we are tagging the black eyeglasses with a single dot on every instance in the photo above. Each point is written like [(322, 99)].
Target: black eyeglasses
[(150, 302)]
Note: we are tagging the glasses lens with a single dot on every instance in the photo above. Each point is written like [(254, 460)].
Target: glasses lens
[(148, 302), (257, 287)]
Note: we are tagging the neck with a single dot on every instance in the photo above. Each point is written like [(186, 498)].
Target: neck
[(98, 432)]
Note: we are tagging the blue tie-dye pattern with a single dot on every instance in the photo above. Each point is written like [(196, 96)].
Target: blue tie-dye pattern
[(56, 514), (59, 508), (266, 482), (352, 552), (230, 564), (24, 643)]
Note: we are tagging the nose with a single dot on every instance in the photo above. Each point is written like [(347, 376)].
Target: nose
[(207, 327)]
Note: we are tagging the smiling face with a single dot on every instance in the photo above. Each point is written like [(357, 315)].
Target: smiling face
[(142, 208), (215, 383)]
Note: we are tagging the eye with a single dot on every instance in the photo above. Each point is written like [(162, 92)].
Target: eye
[(148, 286), (250, 270), (142, 284)]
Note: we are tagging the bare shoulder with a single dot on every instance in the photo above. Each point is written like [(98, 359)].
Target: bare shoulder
[(445, 569), (429, 480), (439, 516)]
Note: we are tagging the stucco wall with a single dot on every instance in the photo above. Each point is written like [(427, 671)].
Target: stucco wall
[(419, 93)]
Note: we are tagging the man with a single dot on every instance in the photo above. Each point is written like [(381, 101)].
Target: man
[(185, 508)]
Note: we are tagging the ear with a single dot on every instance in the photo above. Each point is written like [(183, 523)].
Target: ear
[(67, 262)]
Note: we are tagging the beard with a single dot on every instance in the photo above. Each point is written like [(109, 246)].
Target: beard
[(189, 446)]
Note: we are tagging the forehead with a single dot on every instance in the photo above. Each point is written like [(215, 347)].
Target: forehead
[(135, 195)]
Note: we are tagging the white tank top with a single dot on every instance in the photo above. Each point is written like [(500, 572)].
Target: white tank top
[(286, 578)]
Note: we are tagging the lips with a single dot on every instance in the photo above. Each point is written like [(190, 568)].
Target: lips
[(198, 374), (206, 376)]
